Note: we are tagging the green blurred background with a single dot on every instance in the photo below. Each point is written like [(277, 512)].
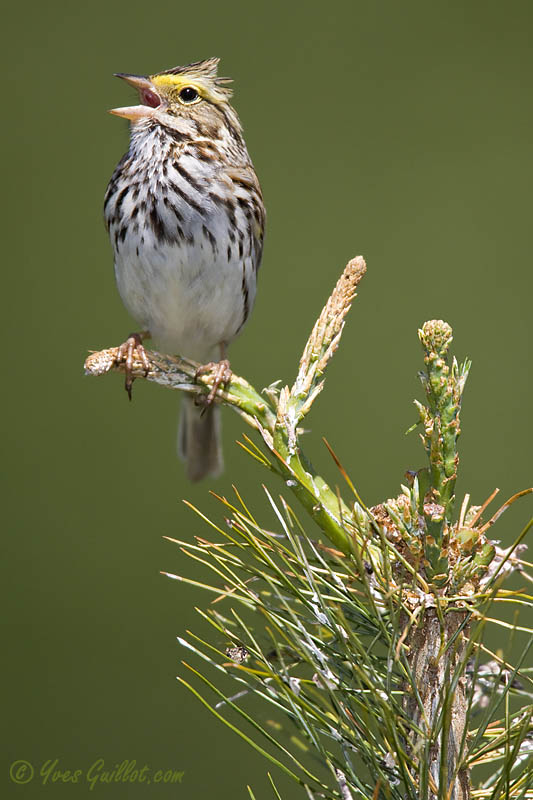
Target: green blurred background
[(401, 131)]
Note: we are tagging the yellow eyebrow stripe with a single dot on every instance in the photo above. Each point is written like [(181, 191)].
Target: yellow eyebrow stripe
[(173, 83)]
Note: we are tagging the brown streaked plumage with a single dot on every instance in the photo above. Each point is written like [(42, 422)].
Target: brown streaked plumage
[(185, 216)]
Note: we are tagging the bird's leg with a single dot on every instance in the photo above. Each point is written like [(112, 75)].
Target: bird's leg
[(133, 346), (221, 373)]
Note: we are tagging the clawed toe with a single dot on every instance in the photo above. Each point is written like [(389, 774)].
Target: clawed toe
[(131, 347), (221, 376)]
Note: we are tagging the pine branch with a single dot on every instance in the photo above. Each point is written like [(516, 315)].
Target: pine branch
[(180, 373), (389, 621), (276, 424)]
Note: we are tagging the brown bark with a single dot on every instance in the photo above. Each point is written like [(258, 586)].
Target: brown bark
[(430, 672)]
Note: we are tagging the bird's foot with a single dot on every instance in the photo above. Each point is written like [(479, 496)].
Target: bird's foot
[(222, 373), (133, 346)]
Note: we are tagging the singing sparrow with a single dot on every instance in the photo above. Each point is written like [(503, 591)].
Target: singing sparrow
[(185, 216)]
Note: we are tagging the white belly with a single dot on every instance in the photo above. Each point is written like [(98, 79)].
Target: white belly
[(189, 296), (187, 245)]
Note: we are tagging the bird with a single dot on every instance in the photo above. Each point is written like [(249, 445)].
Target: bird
[(186, 219)]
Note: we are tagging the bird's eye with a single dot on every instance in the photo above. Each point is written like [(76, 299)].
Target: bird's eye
[(189, 95)]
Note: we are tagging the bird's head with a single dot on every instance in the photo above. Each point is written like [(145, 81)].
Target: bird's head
[(193, 91)]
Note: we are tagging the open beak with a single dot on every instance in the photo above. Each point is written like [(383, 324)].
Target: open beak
[(147, 94)]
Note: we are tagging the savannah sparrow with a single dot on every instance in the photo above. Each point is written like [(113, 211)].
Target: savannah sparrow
[(185, 217)]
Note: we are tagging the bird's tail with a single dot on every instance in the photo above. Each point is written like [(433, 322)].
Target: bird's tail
[(199, 440)]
